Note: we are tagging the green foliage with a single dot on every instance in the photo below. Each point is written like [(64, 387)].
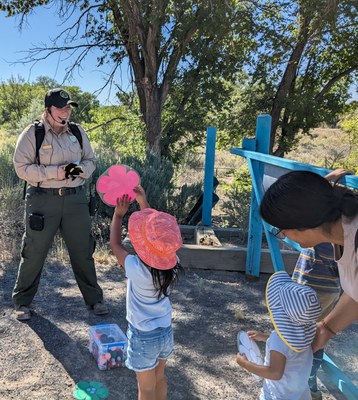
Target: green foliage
[(191, 43), (117, 129), (22, 102), (237, 206), (86, 104), (186, 58), (323, 147), (15, 97), (350, 125), (237, 117), (34, 112), (11, 190), (318, 41), (8, 177)]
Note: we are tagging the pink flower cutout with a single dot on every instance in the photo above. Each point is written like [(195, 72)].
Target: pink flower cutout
[(117, 181)]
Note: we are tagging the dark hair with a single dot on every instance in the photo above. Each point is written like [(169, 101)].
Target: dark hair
[(163, 279), (304, 200)]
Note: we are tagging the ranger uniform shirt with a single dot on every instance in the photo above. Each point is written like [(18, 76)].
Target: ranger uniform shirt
[(56, 151)]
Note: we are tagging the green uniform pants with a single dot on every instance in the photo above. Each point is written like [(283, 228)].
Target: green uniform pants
[(70, 214)]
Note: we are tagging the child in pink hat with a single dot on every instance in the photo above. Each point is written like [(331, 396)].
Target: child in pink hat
[(155, 237)]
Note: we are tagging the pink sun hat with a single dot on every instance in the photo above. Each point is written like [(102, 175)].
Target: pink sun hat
[(156, 237)]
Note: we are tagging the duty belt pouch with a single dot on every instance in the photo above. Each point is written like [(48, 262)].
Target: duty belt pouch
[(36, 221)]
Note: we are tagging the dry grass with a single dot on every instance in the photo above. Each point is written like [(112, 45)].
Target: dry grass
[(323, 147)]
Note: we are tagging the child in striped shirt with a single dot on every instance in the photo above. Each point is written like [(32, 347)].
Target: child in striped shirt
[(316, 268)]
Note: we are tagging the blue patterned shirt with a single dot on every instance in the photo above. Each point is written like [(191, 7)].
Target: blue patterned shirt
[(316, 267)]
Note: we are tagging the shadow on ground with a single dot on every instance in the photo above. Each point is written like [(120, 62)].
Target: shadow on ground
[(44, 358)]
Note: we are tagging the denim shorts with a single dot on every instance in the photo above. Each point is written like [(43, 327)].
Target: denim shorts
[(145, 349)]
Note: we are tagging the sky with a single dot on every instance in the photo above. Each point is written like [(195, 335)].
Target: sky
[(41, 27)]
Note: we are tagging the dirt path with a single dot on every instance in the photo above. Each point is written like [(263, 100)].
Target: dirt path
[(44, 358)]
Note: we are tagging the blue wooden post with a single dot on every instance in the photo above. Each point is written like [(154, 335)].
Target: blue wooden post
[(262, 145), (343, 383), (209, 175)]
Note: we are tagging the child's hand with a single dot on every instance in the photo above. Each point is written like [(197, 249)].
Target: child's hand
[(257, 336), (122, 206), (141, 197), (241, 359)]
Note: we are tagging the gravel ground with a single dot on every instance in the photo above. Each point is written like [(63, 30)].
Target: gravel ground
[(45, 357)]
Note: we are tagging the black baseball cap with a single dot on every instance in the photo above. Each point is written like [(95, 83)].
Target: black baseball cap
[(58, 98)]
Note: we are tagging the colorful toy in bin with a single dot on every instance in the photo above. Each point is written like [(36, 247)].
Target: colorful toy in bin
[(108, 344), (115, 182)]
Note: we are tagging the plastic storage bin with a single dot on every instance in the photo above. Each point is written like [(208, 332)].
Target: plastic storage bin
[(108, 344)]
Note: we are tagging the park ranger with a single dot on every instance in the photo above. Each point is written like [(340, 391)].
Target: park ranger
[(55, 158)]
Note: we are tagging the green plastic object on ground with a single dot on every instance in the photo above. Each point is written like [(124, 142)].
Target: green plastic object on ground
[(90, 391)]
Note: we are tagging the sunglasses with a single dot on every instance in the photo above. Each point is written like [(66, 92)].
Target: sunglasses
[(278, 233)]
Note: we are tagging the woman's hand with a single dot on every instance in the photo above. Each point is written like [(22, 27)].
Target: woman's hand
[(122, 206), (321, 338), (337, 174)]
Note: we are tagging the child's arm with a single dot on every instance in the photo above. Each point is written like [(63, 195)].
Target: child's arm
[(274, 371), (258, 336), (115, 238), (141, 197)]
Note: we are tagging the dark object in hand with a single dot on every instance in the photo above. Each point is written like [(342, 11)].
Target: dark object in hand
[(72, 170)]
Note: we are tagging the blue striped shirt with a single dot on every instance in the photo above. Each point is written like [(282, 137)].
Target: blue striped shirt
[(316, 267)]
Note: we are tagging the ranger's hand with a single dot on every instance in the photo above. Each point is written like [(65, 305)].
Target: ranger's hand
[(72, 170)]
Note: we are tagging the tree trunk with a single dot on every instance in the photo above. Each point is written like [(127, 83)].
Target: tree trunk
[(141, 39), (288, 79), (151, 108)]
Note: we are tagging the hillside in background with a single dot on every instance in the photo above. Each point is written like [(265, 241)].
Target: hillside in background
[(324, 147)]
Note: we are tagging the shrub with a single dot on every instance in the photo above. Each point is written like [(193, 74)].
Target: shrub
[(237, 206), (8, 177), (350, 125), (164, 189)]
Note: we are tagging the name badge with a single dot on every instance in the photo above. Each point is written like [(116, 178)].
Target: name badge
[(47, 146), (73, 139)]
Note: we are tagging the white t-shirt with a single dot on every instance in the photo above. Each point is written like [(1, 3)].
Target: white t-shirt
[(294, 383), (348, 261), (144, 311)]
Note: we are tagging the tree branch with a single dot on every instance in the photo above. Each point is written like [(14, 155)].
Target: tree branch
[(105, 123), (319, 97)]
